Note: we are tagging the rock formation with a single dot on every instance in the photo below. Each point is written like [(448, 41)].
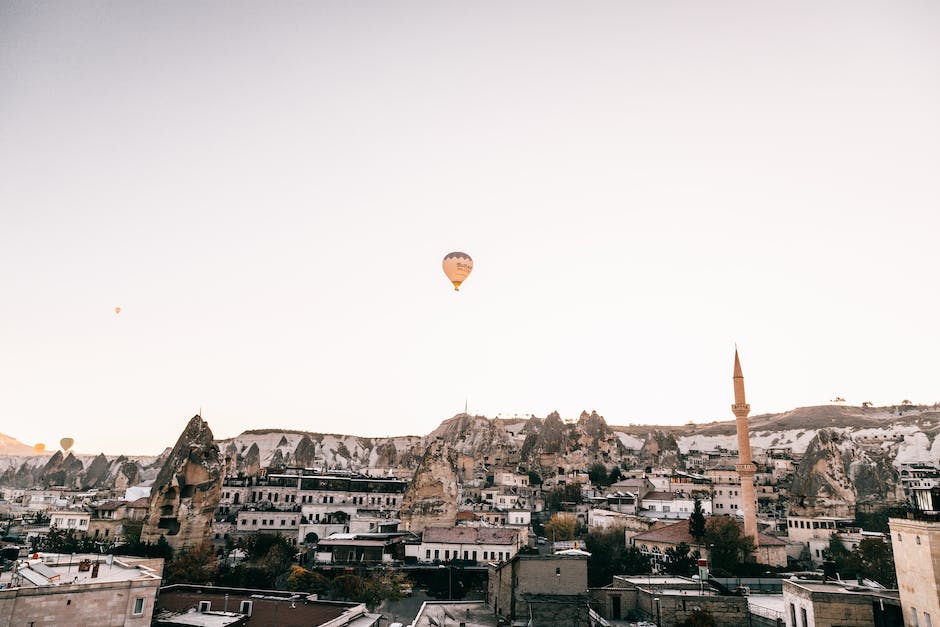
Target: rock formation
[(186, 492), (835, 476), (432, 496)]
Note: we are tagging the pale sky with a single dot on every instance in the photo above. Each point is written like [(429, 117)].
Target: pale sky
[(268, 189)]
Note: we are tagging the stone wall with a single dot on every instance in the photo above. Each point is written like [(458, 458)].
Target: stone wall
[(106, 604), (916, 546)]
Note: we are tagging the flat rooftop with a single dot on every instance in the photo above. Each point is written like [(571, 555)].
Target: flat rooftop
[(474, 614), (53, 569)]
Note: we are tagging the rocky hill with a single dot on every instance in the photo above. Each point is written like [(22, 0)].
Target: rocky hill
[(850, 452)]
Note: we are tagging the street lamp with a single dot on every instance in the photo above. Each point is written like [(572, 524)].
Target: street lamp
[(659, 619)]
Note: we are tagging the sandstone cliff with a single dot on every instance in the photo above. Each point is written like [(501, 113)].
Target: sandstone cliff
[(186, 492), (432, 496)]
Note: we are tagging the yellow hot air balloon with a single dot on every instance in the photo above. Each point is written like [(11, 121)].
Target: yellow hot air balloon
[(39, 448), (117, 310), (66, 443), (457, 267)]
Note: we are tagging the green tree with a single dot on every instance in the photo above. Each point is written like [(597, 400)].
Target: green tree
[(379, 586), (681, 560), (557, 497), (614, 476), (195, 565), (347, 586), (598, 474), (611, 556), (845, 561), (728, 547), (303, 580), (697, 520), (876, 561), (534, 478)]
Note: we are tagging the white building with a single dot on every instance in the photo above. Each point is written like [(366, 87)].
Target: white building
[(474, 544), (671, 505), (66, 519)]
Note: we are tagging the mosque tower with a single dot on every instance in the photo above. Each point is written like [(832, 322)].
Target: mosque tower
[(745, 466)]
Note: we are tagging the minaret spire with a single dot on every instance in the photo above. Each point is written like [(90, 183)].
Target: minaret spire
[(745, 465)]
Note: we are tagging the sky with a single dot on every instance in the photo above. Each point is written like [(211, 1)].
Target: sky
[(267, 191)]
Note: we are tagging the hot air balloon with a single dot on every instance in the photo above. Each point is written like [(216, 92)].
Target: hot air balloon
[(66, 443), (457, 267), (117, 310), (39, 448)]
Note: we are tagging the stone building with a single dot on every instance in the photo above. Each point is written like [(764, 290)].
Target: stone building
[(916, 545), (836, 603), (653, 544), (80, 590), (668, 601), (540, 581), (472, 544)]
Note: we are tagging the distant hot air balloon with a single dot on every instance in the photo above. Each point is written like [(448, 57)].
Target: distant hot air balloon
[(117, 310), (66, 443), (457, 267), (39, 448)]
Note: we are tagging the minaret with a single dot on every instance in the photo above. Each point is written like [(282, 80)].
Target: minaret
[(745, 466)]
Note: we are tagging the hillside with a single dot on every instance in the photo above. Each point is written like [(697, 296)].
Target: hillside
[(871, 442)]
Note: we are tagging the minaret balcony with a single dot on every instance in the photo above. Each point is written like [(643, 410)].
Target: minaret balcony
[(745, 469), (741, 407)]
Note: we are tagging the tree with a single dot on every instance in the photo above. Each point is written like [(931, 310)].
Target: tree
[(728, 547), (534, 478), (569, 493), (611, 556), (681, 560), (347, 586), (380, 586), (303, 580), (876, 561), (598, 475), (195, 565), (561, 527), (697, 520), (615, 475), (846, 563)]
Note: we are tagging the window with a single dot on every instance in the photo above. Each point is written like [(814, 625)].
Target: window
[(927, 622), (446, 555), (557, 571), (793, 615), (205, 606), (138, 606), (437, 554), (427, 554), (245, 608), (917, 539), (803, 616)]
